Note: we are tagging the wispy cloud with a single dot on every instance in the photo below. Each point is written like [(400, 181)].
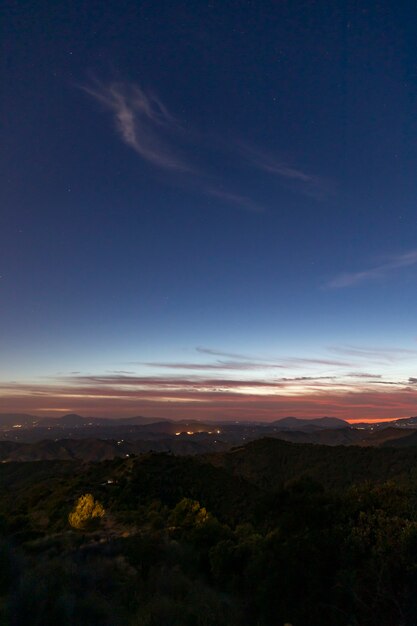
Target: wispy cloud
[(378, 272), (231, 355), (318, 361), (278, 362), (236, 199), (387, 355), (143, 123), (218, 365), (364, 375), (307, 183), (269, 164)]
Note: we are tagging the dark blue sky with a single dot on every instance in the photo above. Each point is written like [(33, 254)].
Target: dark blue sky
[(233, 176)]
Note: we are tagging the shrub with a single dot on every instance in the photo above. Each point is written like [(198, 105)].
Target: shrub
[(86, 513)]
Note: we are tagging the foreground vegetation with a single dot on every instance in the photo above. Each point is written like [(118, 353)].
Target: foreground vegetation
[(269, 534)]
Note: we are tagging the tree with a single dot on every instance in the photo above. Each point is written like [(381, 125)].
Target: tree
[(86, 512), (189, 514)]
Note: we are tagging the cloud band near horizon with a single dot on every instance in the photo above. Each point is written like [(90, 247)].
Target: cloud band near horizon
[(217, 398)]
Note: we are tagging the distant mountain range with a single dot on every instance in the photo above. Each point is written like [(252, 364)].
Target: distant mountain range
[(29, 438), (295, 423), (72, 420)]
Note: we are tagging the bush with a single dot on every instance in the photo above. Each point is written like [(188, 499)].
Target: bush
[(86, 513)]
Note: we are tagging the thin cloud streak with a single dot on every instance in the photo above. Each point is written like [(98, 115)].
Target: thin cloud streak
[(268, 164), (305, 361), (308, 184), (218, 365), (164, 381), (232, 198), (379, 355), (379, 272), (143, 123), (231, 355), (279, 362), (364, 375)]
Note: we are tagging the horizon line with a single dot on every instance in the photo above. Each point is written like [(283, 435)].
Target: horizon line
[(65, 412)]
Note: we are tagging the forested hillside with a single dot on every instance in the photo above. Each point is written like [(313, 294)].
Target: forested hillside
[(263, 535)]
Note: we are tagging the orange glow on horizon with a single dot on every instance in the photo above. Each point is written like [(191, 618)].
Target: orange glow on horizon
[(372, 420)]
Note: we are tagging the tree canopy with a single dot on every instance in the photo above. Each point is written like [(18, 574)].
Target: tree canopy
[(86, 512)]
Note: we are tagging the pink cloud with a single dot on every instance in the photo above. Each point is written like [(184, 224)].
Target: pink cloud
[(176, 397)]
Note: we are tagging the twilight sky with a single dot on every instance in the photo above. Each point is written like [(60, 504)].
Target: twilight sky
[(208, 209)]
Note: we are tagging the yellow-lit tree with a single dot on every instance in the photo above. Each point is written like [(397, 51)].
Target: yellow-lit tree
[(86, 513)]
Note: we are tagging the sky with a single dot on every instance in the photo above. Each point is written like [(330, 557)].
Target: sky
[(208, 209)]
